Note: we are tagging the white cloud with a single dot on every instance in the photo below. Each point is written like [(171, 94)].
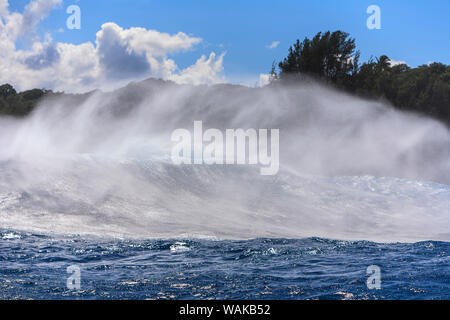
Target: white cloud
[(24, 24), (3, 7), (203, 71), (273, 45), (117, 56), (264, 79), (393, 63)]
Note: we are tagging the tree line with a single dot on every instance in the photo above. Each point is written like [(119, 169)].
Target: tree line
[(332, 57), (20, 104)]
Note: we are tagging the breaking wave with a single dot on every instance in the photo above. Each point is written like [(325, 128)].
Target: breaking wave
[(99, 165)]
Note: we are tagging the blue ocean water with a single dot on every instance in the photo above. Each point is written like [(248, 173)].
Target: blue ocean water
[(34, 266)]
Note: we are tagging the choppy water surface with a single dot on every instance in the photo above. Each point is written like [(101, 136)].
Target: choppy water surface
[(34, 266)]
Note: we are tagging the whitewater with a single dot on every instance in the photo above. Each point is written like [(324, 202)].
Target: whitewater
[(99, 165), (87, 182), (148, 199)]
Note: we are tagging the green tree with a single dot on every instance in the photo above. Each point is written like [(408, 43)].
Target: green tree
[(330, 56), (7, 90)]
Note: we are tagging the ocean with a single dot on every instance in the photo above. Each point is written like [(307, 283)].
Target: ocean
[(35, 266)]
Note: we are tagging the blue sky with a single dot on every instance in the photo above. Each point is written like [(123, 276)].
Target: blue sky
[(413, 31)]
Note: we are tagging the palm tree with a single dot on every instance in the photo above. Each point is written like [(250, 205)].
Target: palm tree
[(383, 63)]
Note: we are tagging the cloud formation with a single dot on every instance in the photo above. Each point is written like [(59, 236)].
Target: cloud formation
[(203, 71), (264, 79), (19, 24), (273, 45), (118, 55), (394, 63)]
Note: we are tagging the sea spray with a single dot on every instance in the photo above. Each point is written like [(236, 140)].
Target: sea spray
[(350, 168)]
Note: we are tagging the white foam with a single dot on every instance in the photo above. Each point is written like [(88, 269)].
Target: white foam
[(160, 200), (101, 168)]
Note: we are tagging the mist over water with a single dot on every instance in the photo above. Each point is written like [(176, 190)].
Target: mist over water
[(349, 168)]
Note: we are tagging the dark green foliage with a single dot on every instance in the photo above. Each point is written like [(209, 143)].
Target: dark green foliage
[(7, 90), (332, 57), (19, 104)]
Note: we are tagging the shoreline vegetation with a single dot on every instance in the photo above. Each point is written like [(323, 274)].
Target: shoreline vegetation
[(330, 58)]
